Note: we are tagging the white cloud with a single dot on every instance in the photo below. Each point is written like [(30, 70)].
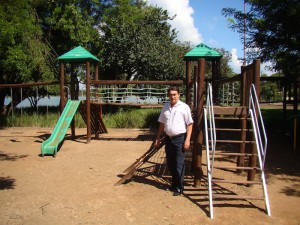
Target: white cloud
[(183, 22), (212, 42), (235, 63)]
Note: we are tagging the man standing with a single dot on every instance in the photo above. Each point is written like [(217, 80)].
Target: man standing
[(176, 121)]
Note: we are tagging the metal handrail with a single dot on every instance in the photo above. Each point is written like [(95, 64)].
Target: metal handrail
[(259, 123), (261, 161), (209, 115), (258, 126)]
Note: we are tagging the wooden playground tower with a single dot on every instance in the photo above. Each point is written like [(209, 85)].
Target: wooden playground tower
[(90, 113), (195, 93)]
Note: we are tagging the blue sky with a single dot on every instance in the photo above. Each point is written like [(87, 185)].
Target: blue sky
[(213, 25), (201, 21)]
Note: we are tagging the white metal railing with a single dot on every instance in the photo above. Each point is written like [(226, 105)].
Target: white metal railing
[(260, 140), (261, 144), (210, 134), (258, 123)]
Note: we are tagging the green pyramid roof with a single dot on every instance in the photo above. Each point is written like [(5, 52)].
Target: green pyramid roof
[(78, 54), (202, 51)]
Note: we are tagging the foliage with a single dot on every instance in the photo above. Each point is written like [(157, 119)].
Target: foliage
[(226, 70), (24, 57), (69, 23), (272, 29), (270, 91), (123, 118), (138, 41)]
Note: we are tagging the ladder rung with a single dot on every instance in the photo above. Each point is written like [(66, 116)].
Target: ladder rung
[(232, 129), (235, 181), (233, 141), (234, 154), (230, 110), (231, 118), (237, 167), (237, 197)]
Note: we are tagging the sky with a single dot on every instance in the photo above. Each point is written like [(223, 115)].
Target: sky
[(201, 21)]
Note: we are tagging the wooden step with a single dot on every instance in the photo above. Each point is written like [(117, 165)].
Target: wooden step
[(230, 110), (235, 181), (222, 196), (233, 141), (231, 118), (232, 129), (234, 154), (237, 167)]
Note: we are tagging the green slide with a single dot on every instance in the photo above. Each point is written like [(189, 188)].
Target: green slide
[(50, 145)]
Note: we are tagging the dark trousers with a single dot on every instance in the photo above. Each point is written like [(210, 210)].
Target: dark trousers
[(175, 160)]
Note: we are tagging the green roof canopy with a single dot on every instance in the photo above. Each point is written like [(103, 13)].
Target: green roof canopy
[(202, 51), (78, 54)]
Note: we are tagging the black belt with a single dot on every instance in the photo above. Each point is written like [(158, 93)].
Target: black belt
[(176, 136)]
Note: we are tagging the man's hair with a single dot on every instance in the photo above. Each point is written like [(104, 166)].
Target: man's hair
[(173, 88)]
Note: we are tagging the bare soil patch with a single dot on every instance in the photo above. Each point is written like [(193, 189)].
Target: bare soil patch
[(77, 187)]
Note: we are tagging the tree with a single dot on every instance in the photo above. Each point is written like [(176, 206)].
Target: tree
[(24, 57), (226, 70), (69, 23), (273, 32), (139, 42)]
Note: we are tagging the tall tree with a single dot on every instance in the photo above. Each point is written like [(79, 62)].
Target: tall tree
[(24, 57), (273, 31), (69, 23), (226, 70), (138, 41)]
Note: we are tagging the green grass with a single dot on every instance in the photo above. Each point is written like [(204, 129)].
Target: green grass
[(122, 118), (274, 120), (127, 117)]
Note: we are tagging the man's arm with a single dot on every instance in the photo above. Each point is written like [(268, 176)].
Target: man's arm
[(159, 133), (187, 141)]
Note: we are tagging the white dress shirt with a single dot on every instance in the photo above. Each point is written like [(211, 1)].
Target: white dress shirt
[(175, 118)]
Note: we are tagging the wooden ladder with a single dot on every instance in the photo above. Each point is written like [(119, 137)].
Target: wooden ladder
[(97, 124), (231, 147)]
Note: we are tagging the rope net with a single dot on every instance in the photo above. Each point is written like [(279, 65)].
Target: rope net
[(130, 94)]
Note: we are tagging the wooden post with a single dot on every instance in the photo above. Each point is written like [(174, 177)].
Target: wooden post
[(243, 86), (243, 123), (295, 110), (62, 84), (256, 79), (188, 83), (72, 89), (195, 86), (88, 103), (96, 71), (256, 82), (199, 126), (195, 102)]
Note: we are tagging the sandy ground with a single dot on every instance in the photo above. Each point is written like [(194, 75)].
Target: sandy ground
[(77, 187)]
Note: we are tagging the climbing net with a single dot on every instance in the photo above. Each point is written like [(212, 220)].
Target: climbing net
[(229, 93), (130, 94)]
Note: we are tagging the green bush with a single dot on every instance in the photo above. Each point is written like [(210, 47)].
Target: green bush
[(122, 118)]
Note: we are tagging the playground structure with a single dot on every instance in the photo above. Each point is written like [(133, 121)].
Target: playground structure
[(246, 153), (195, 96)]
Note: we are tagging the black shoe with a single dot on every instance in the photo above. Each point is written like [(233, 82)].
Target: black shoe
[(171, 188), (178, 192)]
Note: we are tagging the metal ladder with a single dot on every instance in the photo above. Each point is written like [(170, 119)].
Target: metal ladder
[(260, 141)]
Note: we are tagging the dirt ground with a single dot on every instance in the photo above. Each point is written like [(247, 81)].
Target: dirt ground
[(77, 187)]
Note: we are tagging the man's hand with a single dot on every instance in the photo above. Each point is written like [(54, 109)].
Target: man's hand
[(157, 143), (186, 145)]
